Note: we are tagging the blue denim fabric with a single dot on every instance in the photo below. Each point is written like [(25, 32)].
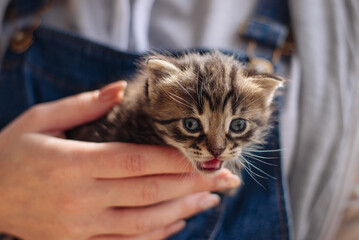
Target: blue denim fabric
[(59, 64), (265, 31), (21, 8)]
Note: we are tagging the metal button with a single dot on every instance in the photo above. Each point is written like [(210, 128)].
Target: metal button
[(21, 41), (261, 65)]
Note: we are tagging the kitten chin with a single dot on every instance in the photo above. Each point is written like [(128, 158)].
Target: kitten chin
[(209, 106)]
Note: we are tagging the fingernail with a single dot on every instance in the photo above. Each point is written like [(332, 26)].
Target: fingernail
[(121, 93), (227, 182), (209, 201), (113, 92)]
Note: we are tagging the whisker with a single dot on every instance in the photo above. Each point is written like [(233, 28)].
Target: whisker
[(178, 97), (254, 155), (185, 90), (180, 102), (268, 175), (248, 105), (257, 174), (240, 103), (254, 173), (251, 103), (251, 175), (252, 110), (185, 163), (270, 164), (258, 150)]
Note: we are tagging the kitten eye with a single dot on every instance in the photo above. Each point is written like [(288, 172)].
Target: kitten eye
[(238, 125), (191, 124)]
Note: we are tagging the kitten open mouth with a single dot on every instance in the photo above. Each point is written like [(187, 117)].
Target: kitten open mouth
[(210, 166)]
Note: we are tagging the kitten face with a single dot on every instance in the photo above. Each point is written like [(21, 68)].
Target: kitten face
[(209, 106)]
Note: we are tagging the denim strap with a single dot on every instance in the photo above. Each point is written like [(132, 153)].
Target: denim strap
[(22, 8), (269, 23)]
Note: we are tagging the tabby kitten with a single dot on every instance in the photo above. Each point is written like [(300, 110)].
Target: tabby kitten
[(208, 106)]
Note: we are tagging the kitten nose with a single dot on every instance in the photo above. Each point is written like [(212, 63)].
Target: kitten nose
[(216, 151)]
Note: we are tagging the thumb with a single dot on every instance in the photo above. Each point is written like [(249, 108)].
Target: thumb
[(71, 111)]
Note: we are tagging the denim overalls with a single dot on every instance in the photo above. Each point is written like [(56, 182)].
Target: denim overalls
[(59, 64)]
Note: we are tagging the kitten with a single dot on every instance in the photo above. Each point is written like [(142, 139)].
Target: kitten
[(208, 106)]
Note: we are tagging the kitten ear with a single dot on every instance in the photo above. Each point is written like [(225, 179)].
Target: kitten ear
[(269, 83), (159, 70)]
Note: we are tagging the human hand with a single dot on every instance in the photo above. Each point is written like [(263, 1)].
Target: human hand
[(53, 188)]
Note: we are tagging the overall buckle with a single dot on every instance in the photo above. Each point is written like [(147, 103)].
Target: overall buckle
[(23, 38), (262, 64)]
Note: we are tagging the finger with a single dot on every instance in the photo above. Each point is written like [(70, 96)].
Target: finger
[(75, 110), (131, 160), (156, 234), (154, 189), (115, 160), (132, 221)]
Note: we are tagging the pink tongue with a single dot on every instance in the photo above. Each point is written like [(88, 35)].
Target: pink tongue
[(214, 163)]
